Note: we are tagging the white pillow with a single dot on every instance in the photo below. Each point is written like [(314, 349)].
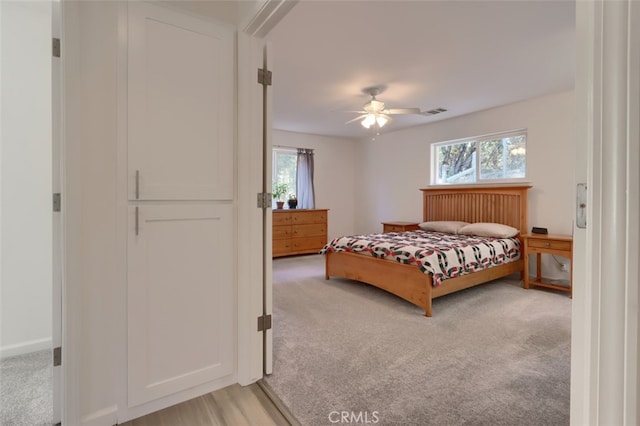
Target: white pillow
[(483, 229), (449, 226)]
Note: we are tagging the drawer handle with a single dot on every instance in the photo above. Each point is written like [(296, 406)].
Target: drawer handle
[(547, 244)]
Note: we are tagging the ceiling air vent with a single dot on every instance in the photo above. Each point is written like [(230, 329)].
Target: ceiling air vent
[(435, 111)]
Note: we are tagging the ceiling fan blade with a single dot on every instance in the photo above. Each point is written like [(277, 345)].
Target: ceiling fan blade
[(400, 111), (357, 118)]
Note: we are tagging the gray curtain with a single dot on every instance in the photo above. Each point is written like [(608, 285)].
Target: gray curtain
[(304, 180)]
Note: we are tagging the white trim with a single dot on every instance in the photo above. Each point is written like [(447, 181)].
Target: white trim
[(71, 205), (120, 321), (265, 17), (125, 414), (632, 296), (604, 376), (57, 217), (268, 238), (104, 416), (25, 347)]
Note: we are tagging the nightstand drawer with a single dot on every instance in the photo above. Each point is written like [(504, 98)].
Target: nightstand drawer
[(393, 228), (399, 226), (549, 244)]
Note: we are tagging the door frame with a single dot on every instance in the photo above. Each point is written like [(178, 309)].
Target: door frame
[(57, 104), (252, 248), (605, 329)]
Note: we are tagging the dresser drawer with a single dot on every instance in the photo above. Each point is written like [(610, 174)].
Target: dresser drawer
[(311, 243), (281, 247), (549, 244), (302, 218), (281, 218), (314, 230), (281, 232)]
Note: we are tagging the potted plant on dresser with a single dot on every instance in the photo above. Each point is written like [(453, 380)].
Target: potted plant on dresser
[(292, 201), (278, 191)]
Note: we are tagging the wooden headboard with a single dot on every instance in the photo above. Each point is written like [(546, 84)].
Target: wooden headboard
[(505, 204)]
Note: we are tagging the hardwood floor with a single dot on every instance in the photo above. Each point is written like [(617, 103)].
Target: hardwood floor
[(232, 406)]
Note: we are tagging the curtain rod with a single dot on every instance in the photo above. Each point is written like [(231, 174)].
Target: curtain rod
[(291, 147)]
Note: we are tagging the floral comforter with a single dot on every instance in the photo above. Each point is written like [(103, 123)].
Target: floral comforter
[(439, 254)]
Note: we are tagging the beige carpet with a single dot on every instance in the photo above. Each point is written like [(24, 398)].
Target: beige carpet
[(26, 390), (491, 355)]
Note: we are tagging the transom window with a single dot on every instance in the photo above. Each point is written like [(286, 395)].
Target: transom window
[(495, 157)]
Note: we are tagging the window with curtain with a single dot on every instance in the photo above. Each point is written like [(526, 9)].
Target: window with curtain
[(306, 193), (284, 173), (292, 171)]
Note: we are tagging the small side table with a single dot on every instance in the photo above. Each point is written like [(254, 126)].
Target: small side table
[(399, 226), (539, 244)]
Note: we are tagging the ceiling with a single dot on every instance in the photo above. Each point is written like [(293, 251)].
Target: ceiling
[(463, 56)]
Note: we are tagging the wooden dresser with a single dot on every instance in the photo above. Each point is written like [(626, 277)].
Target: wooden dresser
[(299, 231)]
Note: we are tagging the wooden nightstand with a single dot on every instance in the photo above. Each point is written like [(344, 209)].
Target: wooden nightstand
[(538, 244), (399, 226)]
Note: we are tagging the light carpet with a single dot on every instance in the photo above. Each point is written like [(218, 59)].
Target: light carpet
[(495, 354), (26, 390)]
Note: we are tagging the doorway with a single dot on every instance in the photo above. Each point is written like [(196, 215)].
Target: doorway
[(26, 226)]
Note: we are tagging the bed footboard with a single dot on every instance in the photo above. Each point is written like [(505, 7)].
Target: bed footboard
[(405, 281)]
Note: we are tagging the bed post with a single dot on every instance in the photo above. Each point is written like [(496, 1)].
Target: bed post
[(326, 265)]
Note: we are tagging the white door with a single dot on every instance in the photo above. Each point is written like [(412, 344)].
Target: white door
[(180, 106), (181, 251), (181, 295)]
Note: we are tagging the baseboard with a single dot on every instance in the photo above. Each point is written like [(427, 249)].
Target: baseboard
[(129, 413), (25, 347), (105, 416)]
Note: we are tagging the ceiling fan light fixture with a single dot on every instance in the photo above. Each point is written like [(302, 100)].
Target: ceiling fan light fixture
[(381, 120), (368, 121)]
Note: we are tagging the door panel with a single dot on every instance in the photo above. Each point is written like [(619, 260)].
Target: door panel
[(180, 309), (181, 106)]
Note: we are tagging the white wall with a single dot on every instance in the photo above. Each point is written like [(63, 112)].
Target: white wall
[(26, 277), (334, 175), (396, 165)]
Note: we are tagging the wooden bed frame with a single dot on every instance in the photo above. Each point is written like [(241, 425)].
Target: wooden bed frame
[(499, 204)]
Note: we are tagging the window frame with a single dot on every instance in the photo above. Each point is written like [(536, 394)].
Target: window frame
[(477, 140), (275, 150)]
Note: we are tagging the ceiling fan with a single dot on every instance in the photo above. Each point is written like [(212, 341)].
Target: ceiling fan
[(374, 114)]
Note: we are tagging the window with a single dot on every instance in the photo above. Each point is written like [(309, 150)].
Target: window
[(284, 170), (496, 157)]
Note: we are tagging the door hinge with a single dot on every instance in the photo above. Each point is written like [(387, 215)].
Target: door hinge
[(57, 202), (264, 323), (56, 47), (57, 356), (264, 200), (264, 77)]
